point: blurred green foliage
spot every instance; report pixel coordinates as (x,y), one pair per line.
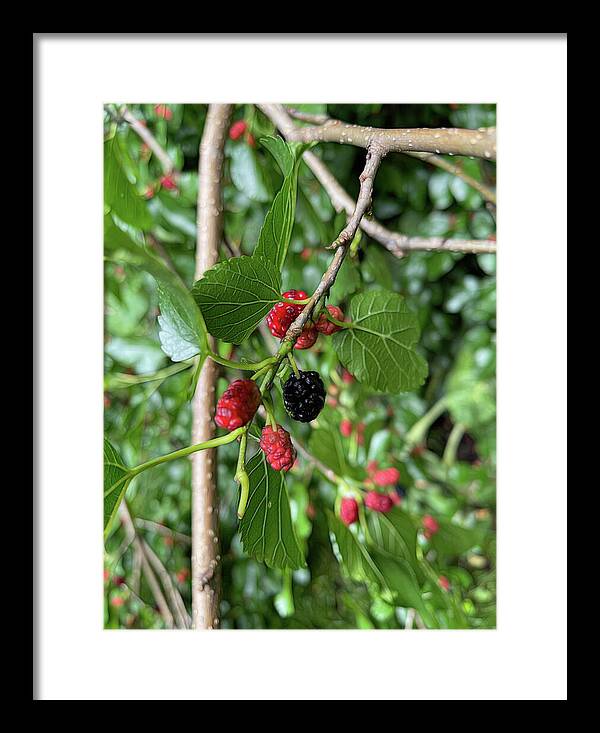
(442,439)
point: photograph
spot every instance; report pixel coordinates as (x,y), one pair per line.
(299,365)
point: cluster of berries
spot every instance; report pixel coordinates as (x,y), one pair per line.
(168,182)
(303,397)
(240,128)
(374,500)
(282,315)
(347,428)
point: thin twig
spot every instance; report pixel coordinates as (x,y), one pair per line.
(153,584)
(182,618)
(319,465)
(167,164)
(396,243)
(487,193)
(161,529)
(342,242)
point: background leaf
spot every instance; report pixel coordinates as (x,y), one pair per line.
(452,540)
(182,331)
(392,576)
(234,296)
(379,349)
(247,174)
(116,481)
(266,528)
(119,193)
(274,237)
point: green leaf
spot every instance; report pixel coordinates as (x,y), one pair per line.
(326,444)
(116,481)
(119,193)
(266,528)
(182,332)
(452,540)
(393,577)
(234,296)
(346,282)
(471,384)
(378,267)
(281,151)
(395,533)
(274,237)
(246,173)
(379,349)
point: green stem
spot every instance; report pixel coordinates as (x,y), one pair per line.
(247,366)
(213,443)
(294,366)
(241,475)
(270,413)
(341,324)
(452,443)
(419,430)
(261,372)
(295,302)
(115,380)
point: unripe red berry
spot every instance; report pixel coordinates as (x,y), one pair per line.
(182,575)
(372,467)
(386,477)
(395,497)
(162,110)
(149,192)
(306,253)
(430,523)
(347,377)
(117,601)
(237,404)
(349,510)
(237,129)
(277,447)
(444,583)
(430,526)
(307,338)
(346,428)
(324,326)
(168,181)
(378,502)
(282,315)
(250,140)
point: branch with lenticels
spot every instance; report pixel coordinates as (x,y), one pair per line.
(396,243)
(140,128)
(479,143)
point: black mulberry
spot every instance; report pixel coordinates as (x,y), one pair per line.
(304,396)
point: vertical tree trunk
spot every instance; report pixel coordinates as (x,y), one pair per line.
(205,522)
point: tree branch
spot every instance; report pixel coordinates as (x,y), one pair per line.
(457,171)
(141,129)
(153,584)
(205,586)
(479,143)
(181,615)
(162,530)
(342,242)
(396,243)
